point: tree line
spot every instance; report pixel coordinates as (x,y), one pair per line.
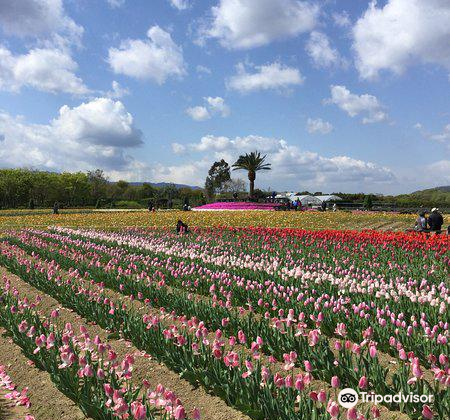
(23,188)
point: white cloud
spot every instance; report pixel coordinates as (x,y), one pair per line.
(116,3)
(213,106)
(203,69)
(180,4)
(402,33)
(291,166)
(443,137)
(192,173)
(318,126)
(45,69)
(218,105)
(342,19)
(93,134)
(439,172)
(321,52)
(354,105)
(270,76)
(178,148)
(37,18)
(240,24)
(156,58)
(198,113)
(117,91)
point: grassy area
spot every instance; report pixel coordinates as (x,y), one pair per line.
(304,220)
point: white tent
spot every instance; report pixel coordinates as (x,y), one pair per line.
(328,198)
(306,200)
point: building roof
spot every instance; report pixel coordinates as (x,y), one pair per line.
(328,197)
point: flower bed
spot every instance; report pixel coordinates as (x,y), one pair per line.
(237,206)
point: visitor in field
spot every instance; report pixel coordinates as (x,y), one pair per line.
(435,220)
(324,206)
(421,223)
(150,205)
(182,227)
(334,207)
(56,208)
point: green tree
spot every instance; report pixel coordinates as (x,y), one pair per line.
(218,175)
(368,202)
(252,163)
(99,184)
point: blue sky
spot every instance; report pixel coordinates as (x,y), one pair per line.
(341,95)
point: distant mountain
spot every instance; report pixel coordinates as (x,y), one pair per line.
(445,188)
(431,197)
(165,184)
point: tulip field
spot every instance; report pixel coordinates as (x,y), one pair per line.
(223,323)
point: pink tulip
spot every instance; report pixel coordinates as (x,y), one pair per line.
(322,396)
(333,409)
(138,410)
(352,414)
(179,413)
(195,415)
(335,382)
(363,382)
(426,412)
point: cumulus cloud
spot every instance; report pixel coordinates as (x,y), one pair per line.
(218,105)
(45,69)
(342,19)
(270,76)
(116,3)
(439,172)
(318,126)
(213,106)
(292,167)
(203,69)
(402,33)
(117,91)
(241,24)
(156,58)
(321,52)
(93,134)
(180,4)
(354,105)
(198,113)
(443,137)
(37,18)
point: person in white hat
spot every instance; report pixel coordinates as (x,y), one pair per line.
(435,220)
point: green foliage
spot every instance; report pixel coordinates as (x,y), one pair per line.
(127,204)
(368,202)
(23,188)
(218,175)
(252,163)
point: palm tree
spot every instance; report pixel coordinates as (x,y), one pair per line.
(252,163)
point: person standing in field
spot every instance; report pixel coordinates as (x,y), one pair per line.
(56,208)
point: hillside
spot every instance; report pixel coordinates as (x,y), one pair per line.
(439,196)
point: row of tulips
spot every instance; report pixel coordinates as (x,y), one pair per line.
(363,381)
(393,329)
(261,394)
(275,250)
(423,292)
(84,368)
